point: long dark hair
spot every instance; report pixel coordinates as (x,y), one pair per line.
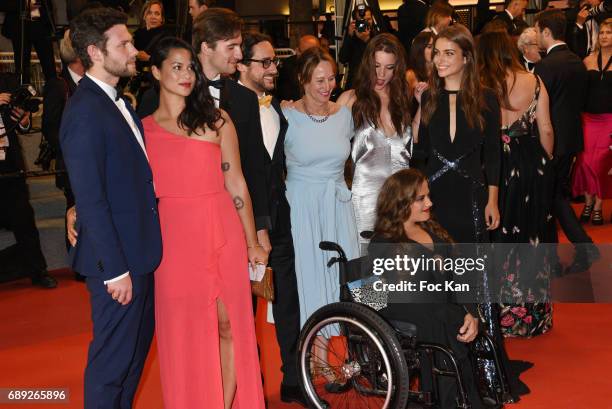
(367,104)
(396,196)
(416,61)
(200,110)
(470,92)
(497,55)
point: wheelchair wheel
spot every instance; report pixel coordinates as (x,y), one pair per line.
(349,357)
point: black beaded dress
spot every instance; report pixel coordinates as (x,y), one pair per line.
(459,173)
(461,170)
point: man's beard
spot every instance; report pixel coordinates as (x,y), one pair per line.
(262,85)
(118,70)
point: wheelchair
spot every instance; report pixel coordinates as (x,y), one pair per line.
(351,357)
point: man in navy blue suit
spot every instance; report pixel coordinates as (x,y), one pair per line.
(119,242)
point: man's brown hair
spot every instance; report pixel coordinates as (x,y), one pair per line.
(213,25)
(554,20)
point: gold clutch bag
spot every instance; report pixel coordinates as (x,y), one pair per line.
(265,287)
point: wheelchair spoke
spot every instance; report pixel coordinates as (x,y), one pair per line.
(324,347)
(348,368)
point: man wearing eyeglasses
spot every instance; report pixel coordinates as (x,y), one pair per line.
(528,46)
(258,70)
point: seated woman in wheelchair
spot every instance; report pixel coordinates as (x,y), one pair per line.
(404,226)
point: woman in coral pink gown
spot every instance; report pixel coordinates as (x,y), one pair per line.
(204,317)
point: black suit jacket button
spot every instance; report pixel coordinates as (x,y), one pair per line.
(149,180)
(154,210)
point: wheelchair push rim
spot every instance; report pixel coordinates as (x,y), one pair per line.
(361,356)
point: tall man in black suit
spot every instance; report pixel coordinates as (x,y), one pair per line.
(38,32)
(258,69)
(512,16)
(565,77)
(411,21)
(217,40)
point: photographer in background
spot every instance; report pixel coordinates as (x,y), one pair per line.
(582,34)
(360,30)
(16,214)
(56,94)
(38,32)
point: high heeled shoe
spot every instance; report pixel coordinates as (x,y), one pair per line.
(585,216)
(597,219)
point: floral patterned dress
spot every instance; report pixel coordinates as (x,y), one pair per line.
(525,204)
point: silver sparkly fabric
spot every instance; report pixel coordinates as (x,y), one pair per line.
(375,157)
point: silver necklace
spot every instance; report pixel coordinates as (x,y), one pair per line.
(316,120)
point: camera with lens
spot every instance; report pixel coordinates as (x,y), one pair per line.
(361,24)
(24,98)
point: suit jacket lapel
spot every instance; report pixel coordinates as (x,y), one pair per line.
(117,113)
(280,142)
(225,96)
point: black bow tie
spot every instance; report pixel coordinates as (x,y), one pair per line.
(530,65)
(216,83)
(119,95)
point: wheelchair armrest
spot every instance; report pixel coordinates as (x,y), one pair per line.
(331,246)
(367,234)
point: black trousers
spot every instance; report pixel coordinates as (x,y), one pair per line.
(286,306)
(16,214)
(561,203)
(37,35)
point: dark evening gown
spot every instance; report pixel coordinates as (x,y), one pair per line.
(459,173)
(525,205)
(458,185)
(436,315)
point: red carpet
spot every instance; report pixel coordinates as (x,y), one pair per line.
(44,337)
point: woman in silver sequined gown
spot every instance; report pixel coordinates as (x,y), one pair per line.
(382,142)
(376,156)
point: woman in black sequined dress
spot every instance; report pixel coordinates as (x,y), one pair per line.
(459,134)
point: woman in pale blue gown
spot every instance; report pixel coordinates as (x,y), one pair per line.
(382,142)
(317,145)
